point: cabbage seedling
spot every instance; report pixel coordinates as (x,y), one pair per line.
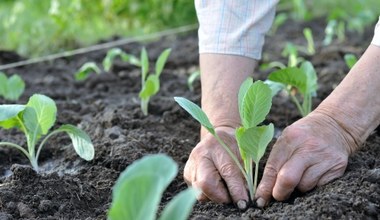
(310,41)
(350,60)
(138,191)
(11,88)
(117,52)
(85,70)
(150,82)
(302,80)
(255,100)
(194,76)
(35,119)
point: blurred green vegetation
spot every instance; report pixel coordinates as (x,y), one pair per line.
(39,27)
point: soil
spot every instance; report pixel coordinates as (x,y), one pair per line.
(107,107)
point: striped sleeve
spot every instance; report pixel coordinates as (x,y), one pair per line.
(376,37)
(235,27)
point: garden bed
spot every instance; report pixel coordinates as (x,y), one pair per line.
(106,106)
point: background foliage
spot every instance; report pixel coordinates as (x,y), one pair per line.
(35,28)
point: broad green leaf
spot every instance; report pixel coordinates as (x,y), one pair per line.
(180,206)
(81,141)
(276,87)
(45,110)
(3,84)
(197,113)
(8,115)
(311,76)
(350,60)
(34,130)
(256,104)
(242,92)
(15,87)
(110,57)
(138,190)
(144,63)
(86,70)
(160,63)
(151,87)
(291,76)
(254,140)
(137,198)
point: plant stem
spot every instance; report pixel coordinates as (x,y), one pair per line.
(144,106)
(295,100)
(32,159)
(235,159)
(256,174)
(43,142)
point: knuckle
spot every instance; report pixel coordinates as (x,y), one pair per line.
(228,170)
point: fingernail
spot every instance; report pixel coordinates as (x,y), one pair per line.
(242,204)
(260,202)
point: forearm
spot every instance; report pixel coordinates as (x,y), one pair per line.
(355,103)
(221,77)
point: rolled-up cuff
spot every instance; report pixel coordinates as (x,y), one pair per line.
(235,27)
(376,37)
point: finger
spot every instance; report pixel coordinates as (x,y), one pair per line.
(275,161)
(335,172)
(289,177)
(311,176)
(208,180)
(235,182)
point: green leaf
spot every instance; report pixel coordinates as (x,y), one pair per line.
(86,70)
(144,63)
(110,57)
(244,87)
(8,115)
(45,110)
(81,141)
(196,112)
(254,140)
(130,59)
(150,88)
(310,41)
(15,87)
(138,190)
(256,104)
(180,206)
(291,76)
(276,87)
(3,84)
(161,61)
(311,76)
(350,60)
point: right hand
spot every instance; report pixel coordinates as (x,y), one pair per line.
(211,170)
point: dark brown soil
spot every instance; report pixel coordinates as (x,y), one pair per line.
(107,107)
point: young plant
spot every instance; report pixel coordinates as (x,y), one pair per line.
(85,70)
(350,60)
(138,191)
(193,76)
(150,81)
(297,81)
(117,52)
(255,100)
(35,120)
(310,41)
(11,88)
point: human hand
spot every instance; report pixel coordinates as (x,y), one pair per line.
(311,152)
(211,169)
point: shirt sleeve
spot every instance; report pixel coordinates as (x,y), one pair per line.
(376,37)
(235,27)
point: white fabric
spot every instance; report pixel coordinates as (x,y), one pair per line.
(376,37)
(235,27)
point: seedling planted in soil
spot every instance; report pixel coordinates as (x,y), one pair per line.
(255,100)
(11,88)
(86,69)
(35,119)
(297,81)
(138,191)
